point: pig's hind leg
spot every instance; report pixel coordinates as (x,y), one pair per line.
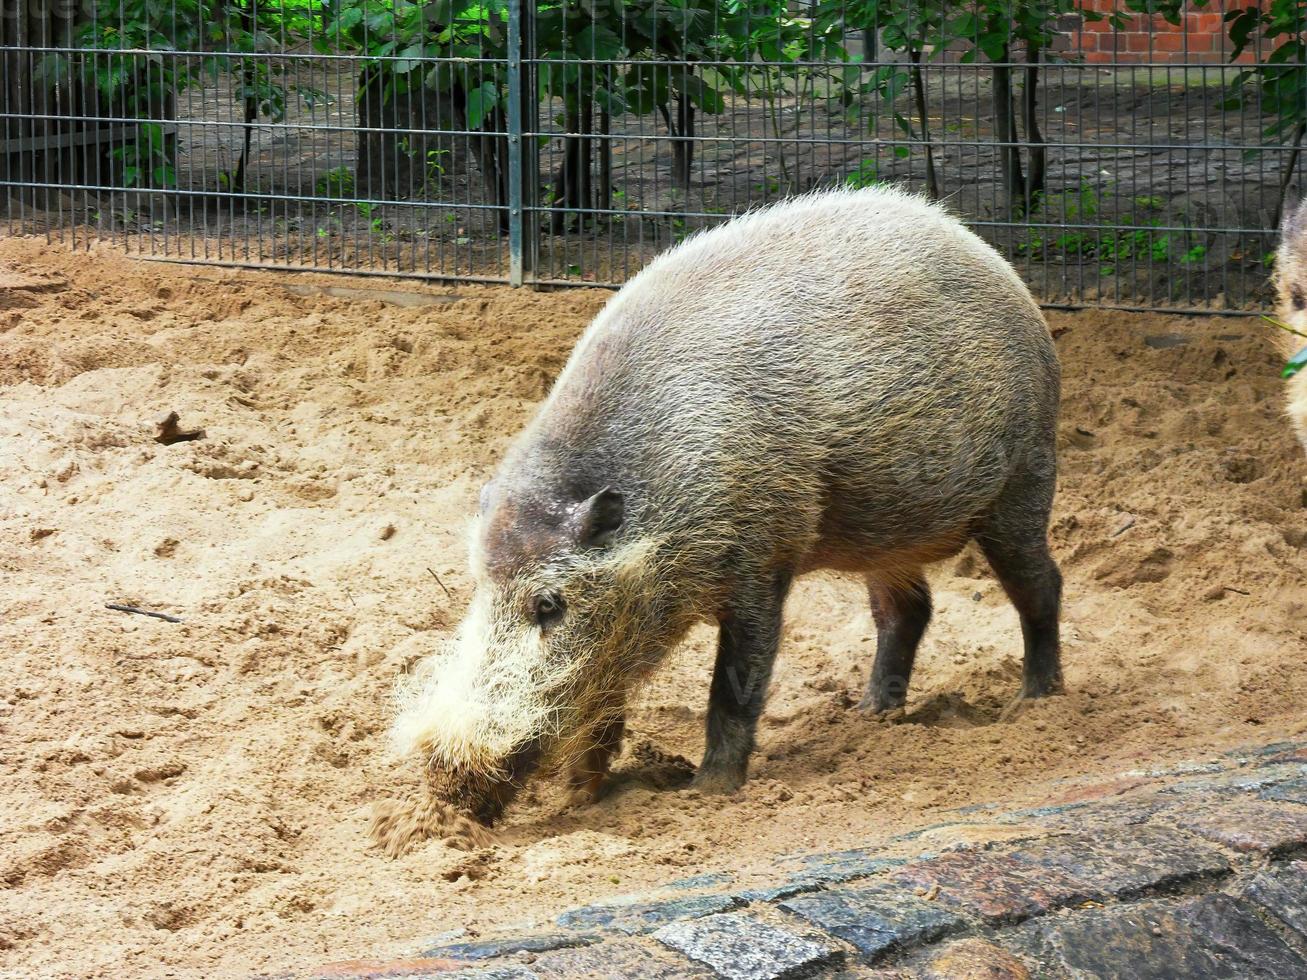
(746,651)
(1014,538)
(901,608)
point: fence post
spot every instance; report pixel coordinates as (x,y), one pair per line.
(530,119)
(517,261)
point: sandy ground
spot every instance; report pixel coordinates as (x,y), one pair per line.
(192,799)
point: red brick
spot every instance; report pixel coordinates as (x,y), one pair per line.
(974,958)
(998,887)
(1137,42)
(1098,791)
(1168,42)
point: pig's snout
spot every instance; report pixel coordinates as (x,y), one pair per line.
(486,792)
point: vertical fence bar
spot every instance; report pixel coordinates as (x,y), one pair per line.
(530,120)
(516,262)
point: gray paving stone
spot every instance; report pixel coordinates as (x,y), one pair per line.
(1208,938)
(740,947)
(490,948)
(1232,929)
(819,870)
(1084,817)
(619,959)
(712,879)
(509,972)
(876,920)
(1290,791)
(644,917)
(1122,941)
(1240,781)
(1128,861)
(1182,769)
(1260,751)
(1283,893)
(1248,825)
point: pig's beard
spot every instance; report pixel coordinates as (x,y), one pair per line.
(472,707)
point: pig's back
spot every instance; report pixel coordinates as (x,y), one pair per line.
(857,348)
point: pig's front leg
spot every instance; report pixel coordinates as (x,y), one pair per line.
(586,776)
(746,650)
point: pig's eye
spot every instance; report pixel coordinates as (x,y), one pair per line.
(1298,301)
(548,610)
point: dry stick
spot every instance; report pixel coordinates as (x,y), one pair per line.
(141,612)
(440,583)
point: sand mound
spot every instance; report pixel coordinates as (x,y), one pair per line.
(194,798)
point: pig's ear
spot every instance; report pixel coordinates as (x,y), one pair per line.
(486,493)
(598,518)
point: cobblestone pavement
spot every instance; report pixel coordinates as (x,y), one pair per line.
(1194,871)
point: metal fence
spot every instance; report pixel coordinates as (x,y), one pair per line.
(1128,153)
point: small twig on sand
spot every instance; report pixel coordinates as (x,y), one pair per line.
(1231,588)
(141,612)
(440,583)
(350,597)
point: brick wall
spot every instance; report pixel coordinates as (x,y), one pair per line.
(1199,38)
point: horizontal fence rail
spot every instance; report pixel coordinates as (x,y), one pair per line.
(1121,153)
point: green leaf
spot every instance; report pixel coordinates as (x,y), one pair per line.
(481,102)
(995,46)
(409,58)
(701,94)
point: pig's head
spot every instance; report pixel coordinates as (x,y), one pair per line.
(563,622)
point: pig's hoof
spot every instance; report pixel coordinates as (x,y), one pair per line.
(584,792)
(884,709)
(1032,690)
(1022,700)
(712,782)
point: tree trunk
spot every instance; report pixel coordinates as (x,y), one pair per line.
(251,113)
(585,152)
(490,149)
(919,91)
(681,129)
(1034,182)
(371,143)
(605,199)
(571,184)
(1014,184)
(683,148)
(248,78)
